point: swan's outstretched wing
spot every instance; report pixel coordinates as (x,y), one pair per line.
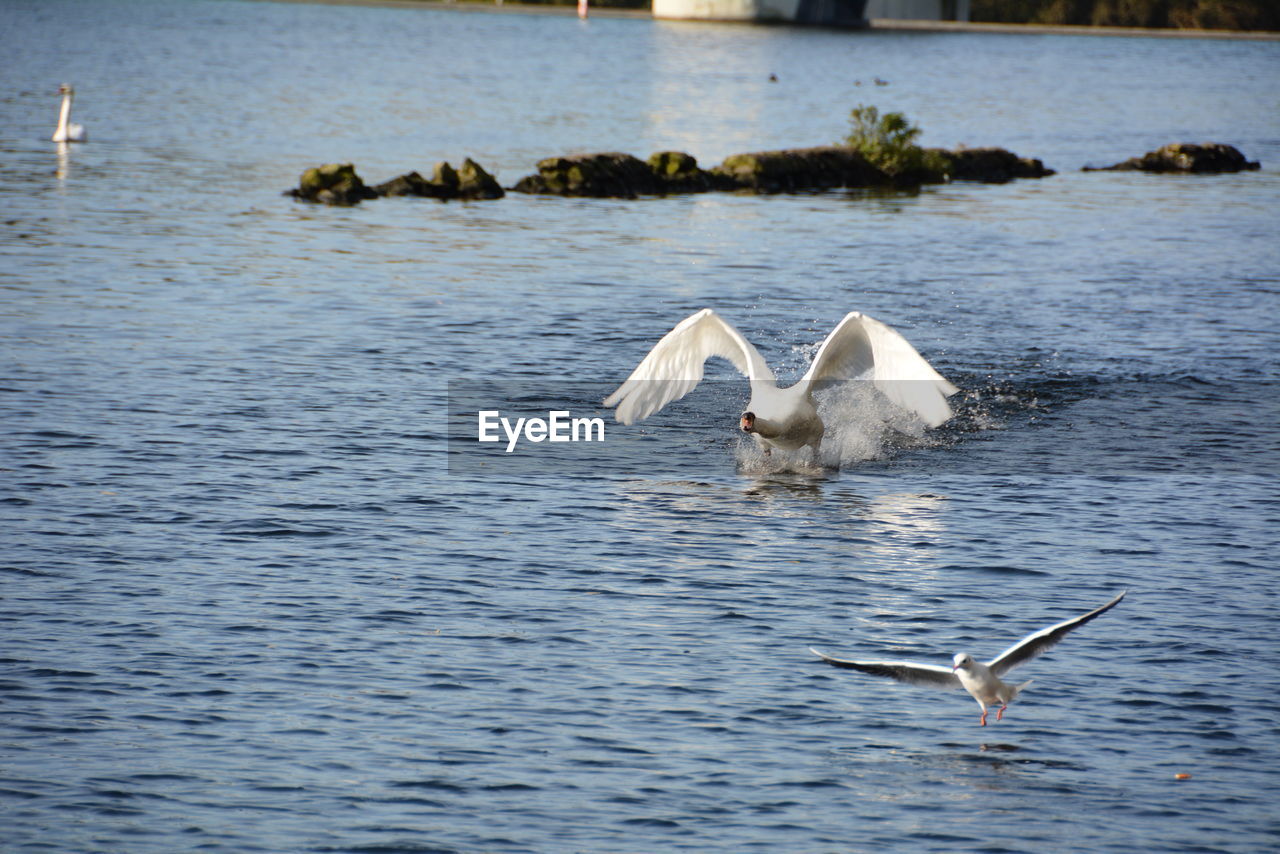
(863,345)
(674,365)
(1032,645)
(931,675)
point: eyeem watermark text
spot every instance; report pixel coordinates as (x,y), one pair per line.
(558,426)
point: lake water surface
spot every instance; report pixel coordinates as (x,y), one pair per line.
(255,599)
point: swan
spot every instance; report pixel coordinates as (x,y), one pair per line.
(784,418)
(982,681)
(66,131)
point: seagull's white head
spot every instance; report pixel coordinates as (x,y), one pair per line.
(962,661)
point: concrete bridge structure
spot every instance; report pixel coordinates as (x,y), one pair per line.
(838,13)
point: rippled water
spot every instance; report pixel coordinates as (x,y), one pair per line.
(254,600)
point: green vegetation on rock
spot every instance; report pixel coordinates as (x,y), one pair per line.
(888,143)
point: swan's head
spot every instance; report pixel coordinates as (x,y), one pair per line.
(65,89)
(748,422)
(962,661)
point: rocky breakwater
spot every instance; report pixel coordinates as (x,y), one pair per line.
(338,184)
(1208,157)
(794,170)
(837,166)
(617,175)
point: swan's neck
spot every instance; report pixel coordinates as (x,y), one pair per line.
(64,117)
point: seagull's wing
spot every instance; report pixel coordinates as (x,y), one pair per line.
(904,671)
(1032,645)
(863,345)
(674,365)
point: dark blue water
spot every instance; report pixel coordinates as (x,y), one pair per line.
(254,600)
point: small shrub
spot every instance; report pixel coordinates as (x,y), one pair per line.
(888,143)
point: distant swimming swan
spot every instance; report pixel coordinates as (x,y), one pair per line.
(66,131)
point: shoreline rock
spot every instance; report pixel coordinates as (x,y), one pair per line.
(338,184)
(792,170)
(475,184)
(677,172)
(1185,157)
(332,184)
(469,182)
(992,165)
(606,175)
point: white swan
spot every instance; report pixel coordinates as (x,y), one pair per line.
(982,681)
(785,418)
(66,131)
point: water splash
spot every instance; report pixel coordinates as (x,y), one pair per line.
(861,425)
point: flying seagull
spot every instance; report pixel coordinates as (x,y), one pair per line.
(785,418)
(982,681)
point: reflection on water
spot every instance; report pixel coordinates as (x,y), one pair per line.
(893,532)
(700,85)
(806,485)
(64,160)
(917,515)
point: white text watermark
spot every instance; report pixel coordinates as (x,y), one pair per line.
(558,426)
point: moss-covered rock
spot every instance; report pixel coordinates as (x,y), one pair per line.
(678,172)
(611,174)
(473,182)
(469,182)
(842,166)
(990,165)
(408,184)
(1185,157)
(618,175)
(445,179)
(673,165)
(799,170)
(332,184)
(792,170)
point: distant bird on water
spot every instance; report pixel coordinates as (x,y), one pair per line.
(982,681)
(785,418)
(66,130)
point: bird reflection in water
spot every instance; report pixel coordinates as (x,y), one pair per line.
(64,162)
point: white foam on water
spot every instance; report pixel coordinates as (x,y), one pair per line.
(861,424)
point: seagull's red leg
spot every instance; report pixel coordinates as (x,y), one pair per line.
(1000,714)
(983,720)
